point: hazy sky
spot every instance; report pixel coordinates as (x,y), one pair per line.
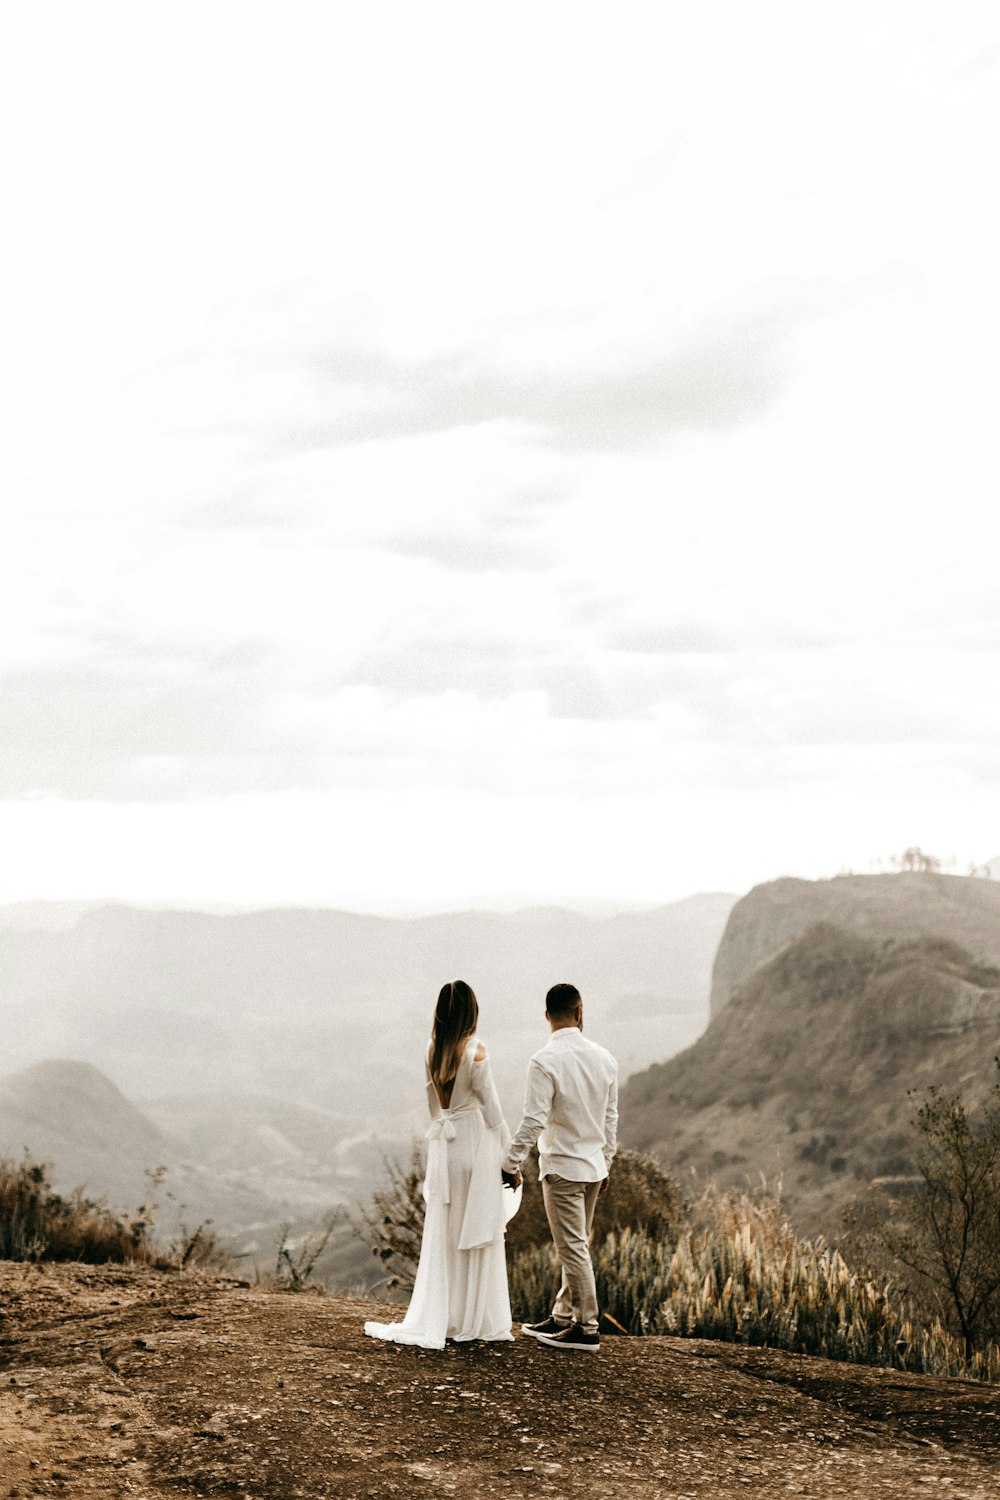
(455,451)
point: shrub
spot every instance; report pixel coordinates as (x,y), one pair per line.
(38,1224)
(940,1231)
(393,1223)
(642,1195)
(296,1259)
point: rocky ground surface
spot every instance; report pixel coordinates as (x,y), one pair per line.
(159,1386)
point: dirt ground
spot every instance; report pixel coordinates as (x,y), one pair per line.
(160,1386)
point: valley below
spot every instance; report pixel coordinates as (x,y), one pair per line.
(271,1062)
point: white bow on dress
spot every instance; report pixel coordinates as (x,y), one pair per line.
(439,1133)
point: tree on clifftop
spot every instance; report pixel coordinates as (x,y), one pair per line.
(915,861)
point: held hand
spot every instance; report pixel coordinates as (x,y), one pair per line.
(511,1179)
(604,1187)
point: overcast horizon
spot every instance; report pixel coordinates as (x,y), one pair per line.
(454,455)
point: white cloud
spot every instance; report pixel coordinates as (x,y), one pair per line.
(376,444)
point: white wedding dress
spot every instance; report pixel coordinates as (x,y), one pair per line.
(460,1291)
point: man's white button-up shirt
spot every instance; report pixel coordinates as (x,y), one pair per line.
(570,1109)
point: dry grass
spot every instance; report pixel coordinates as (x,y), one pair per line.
(38,1224)
(740,1273)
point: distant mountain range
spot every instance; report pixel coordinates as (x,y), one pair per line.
(821,1027)
(330,1010)
(271,1059)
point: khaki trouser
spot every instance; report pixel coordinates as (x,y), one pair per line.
(569,1207)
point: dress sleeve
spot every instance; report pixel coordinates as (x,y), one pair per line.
(485,1091)
(488,1205)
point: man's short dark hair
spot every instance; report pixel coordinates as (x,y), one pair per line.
(562,999)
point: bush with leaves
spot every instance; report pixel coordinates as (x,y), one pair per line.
(939,1233)
(642,1195)
(393,1223)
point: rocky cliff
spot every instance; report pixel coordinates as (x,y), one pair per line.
(804,1075)
(964,910)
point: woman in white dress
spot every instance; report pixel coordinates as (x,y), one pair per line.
(460,1291)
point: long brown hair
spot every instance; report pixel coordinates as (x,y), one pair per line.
(455,1017)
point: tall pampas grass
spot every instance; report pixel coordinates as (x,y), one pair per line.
(740,1273)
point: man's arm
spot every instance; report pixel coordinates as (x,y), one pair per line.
(611,1123)
(537,1103)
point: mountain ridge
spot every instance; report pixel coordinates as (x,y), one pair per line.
(805,1075)
(899,905)
(299,1001)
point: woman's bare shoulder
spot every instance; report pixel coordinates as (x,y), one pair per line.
(480,1052)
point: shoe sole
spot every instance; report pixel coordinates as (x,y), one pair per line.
(532,1333)
(554,1343)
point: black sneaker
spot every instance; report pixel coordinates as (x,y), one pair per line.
(575,1337)
(539,1330)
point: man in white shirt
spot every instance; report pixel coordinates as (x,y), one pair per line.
(571,1110)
